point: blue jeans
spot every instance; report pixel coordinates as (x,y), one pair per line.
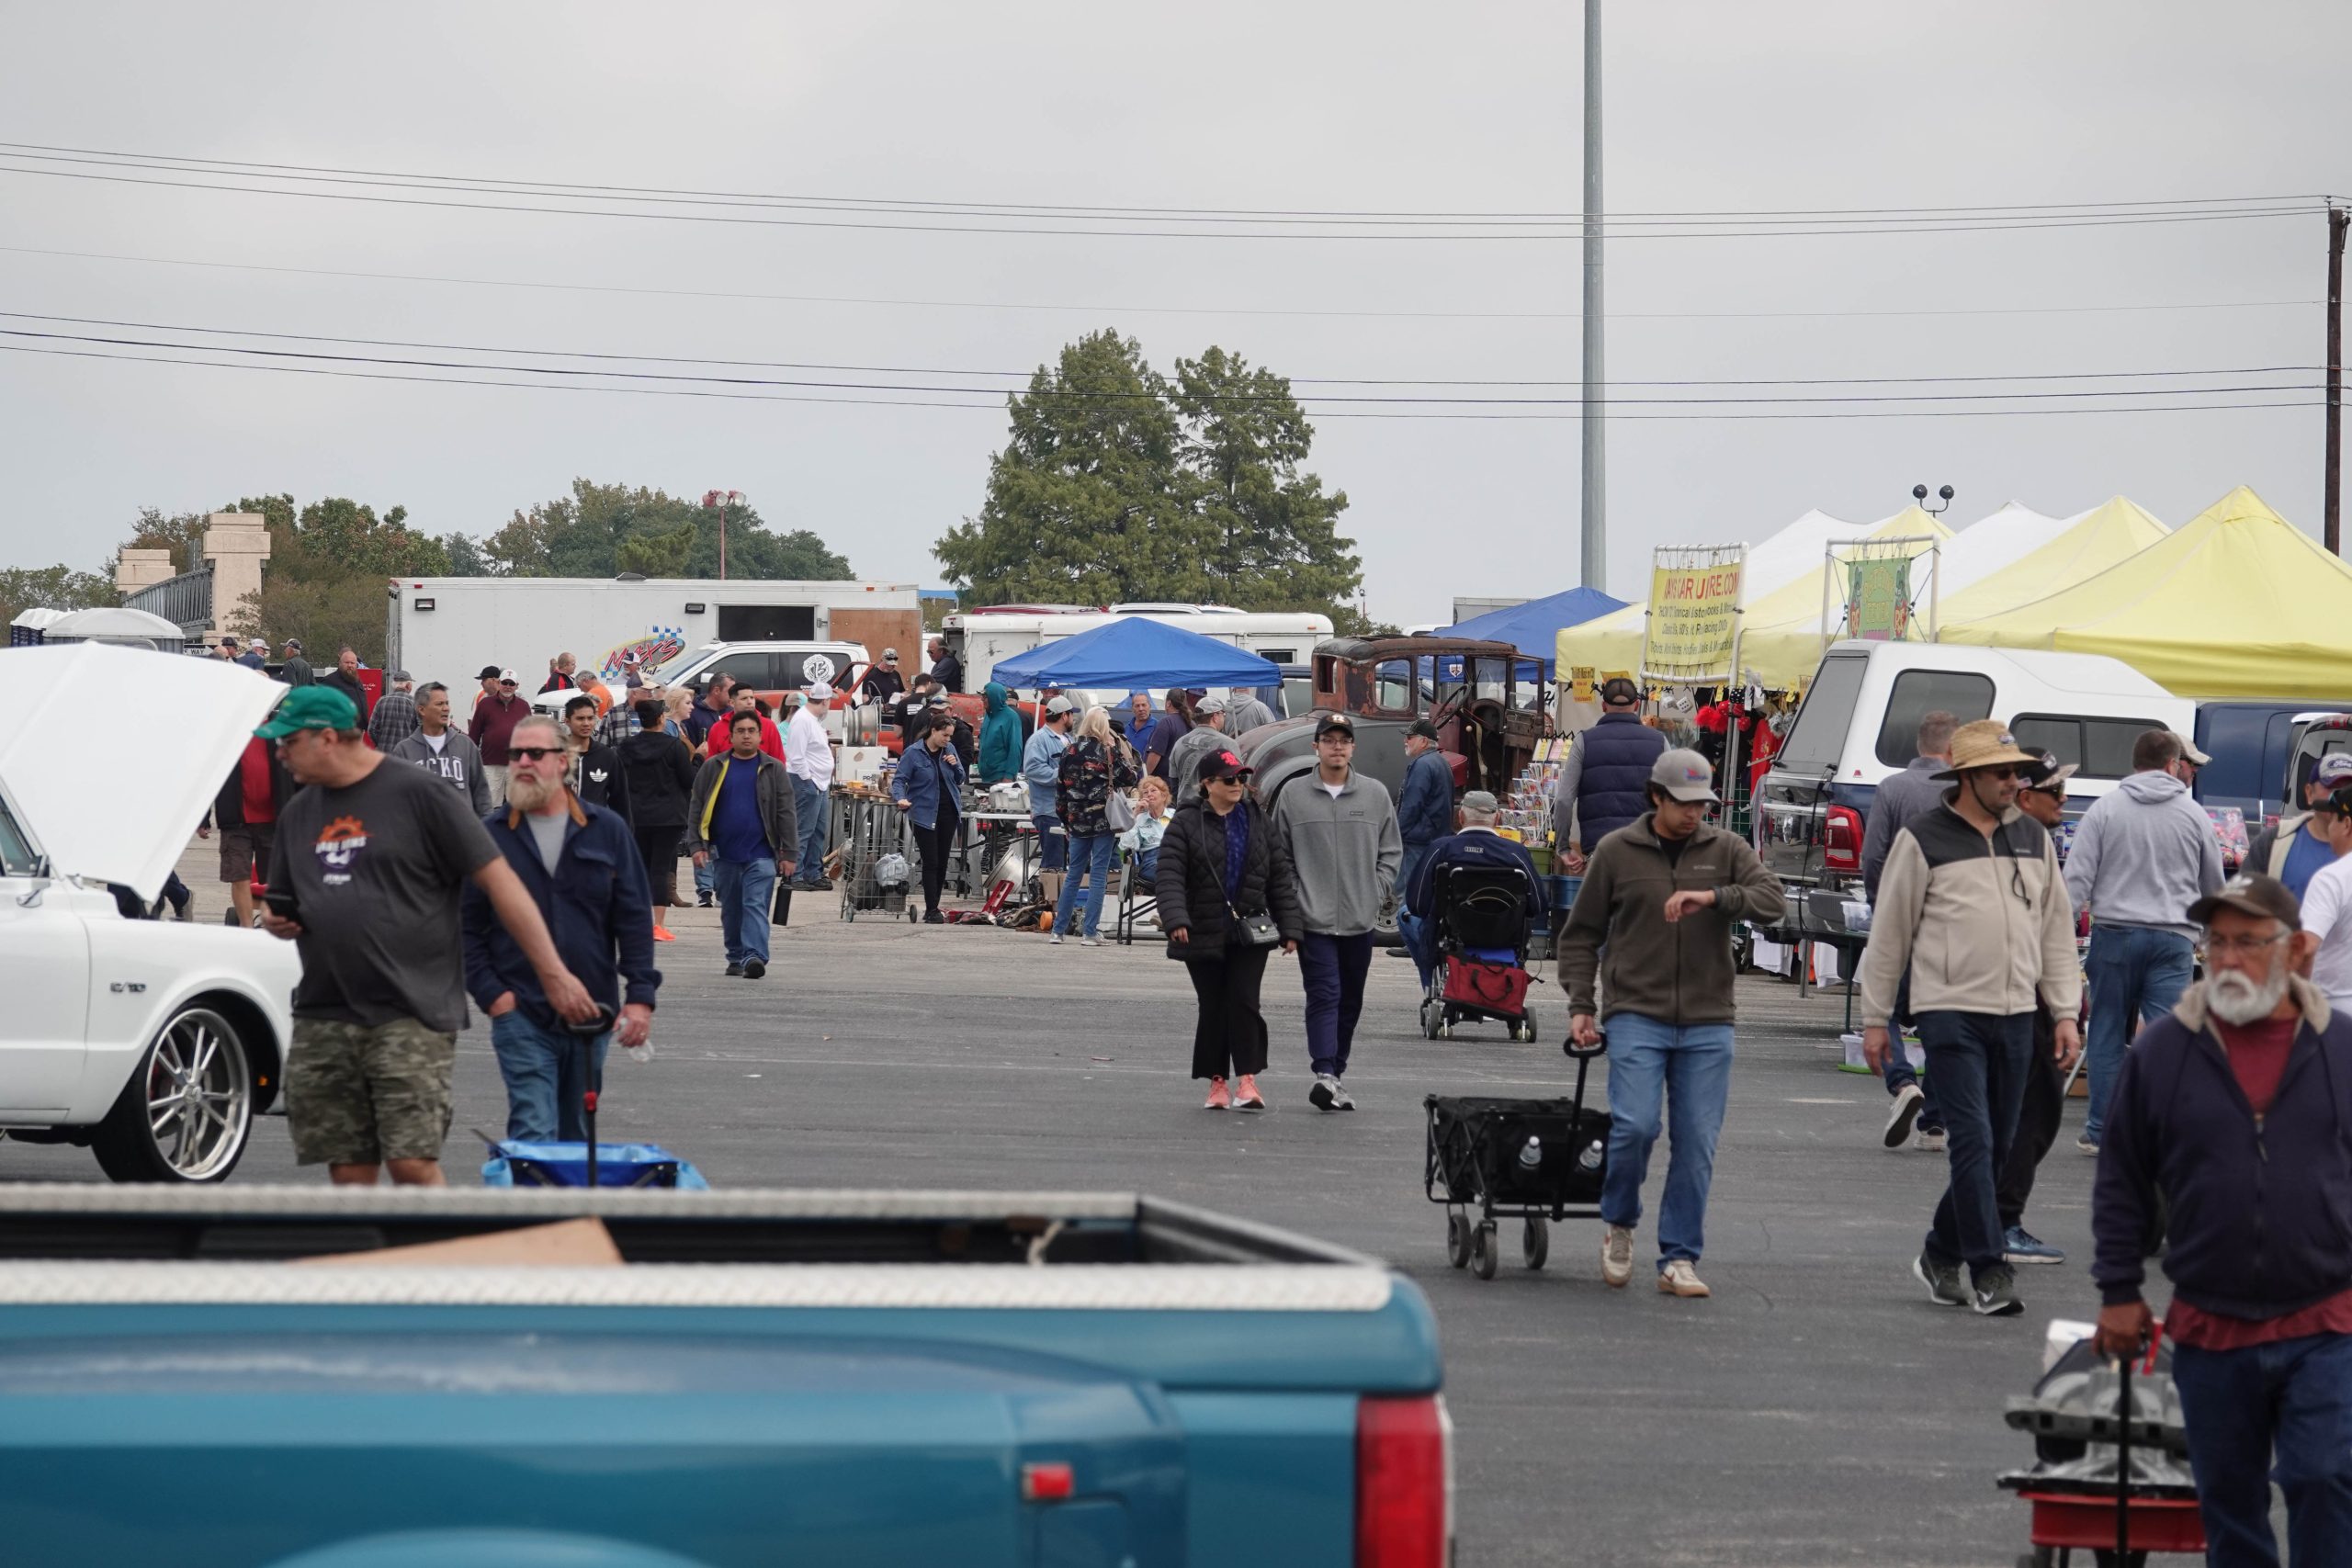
(1421,940)
(2294,1397)
(1053,846)
(1414,856)
(1333,968)
(545,1078)
(1688,1067)
(810,802)
(704,873)
(746,891)
(2133,970)
(1090,855)
(1979,1062)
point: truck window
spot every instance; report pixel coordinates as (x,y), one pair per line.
(1817,740)
(1918,692)
(16,858)
(1392,685)
(755,670)
(1492,679)
(2106,745)
(2061,737)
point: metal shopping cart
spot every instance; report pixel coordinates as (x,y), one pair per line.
(877,856)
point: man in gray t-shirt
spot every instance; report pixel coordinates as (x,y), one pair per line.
(375,859)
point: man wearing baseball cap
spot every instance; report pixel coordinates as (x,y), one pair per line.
(1973,906)
(375,859)
(1475,844)
(1339,829)
(1206,738)
(1425,800)
(2327,903)
(1041,768)
(2230,1134)
(1603,781)
(2295,848)
(2143,854)
(495,718)
(292,668)
(1653,922)
(2041,794)
(808,760)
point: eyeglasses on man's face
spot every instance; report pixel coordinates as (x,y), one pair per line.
(2239,946)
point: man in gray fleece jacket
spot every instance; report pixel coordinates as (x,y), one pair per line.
(2142,856)
(1341,830)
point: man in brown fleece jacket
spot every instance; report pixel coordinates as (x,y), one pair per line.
(1660,898)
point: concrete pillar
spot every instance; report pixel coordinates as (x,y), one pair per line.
(142,569)
(236,546)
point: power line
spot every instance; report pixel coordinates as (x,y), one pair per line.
(1315,406)
(759,397)
(559,286)
(1294,380)
(516,184)
(1564,233)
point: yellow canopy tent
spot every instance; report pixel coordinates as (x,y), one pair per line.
(2235,603)
(2078,548)
(1782,640)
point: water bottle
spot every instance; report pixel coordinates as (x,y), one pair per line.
(1531,1155)
(640,1055)
(1591,1158)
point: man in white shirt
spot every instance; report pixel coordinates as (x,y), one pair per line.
(809,758)
(2327,902)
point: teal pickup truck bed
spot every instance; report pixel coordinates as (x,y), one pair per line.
(773,1378)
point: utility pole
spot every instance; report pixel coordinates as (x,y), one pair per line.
(1595,555)
(2331,532)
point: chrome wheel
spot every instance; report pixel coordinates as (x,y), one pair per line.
(186,1113)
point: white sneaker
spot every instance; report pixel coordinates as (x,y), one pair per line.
(1908,1102)
(1054,939)
(1617,1256)
(1090,941)
(1933,1140)
(1678,1279)
(1324,1092)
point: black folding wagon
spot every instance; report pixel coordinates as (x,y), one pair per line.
(1536,1161)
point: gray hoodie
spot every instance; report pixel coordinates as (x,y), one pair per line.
(2142,855)
(1344,851)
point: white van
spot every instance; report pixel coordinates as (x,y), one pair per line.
(1860,721)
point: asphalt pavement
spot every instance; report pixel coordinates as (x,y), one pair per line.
(1818,1409)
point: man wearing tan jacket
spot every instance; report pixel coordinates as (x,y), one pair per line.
(1972,904)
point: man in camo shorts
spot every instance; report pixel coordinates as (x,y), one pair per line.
(376,859)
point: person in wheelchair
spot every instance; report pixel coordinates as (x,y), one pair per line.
(1476,844)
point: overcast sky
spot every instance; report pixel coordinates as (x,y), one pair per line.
(1358,106)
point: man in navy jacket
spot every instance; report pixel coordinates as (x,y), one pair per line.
(1425,803)
(1476,844)
(581,866)
(1604,785)
(2236,1110)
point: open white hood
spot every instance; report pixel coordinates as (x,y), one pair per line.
(109,756)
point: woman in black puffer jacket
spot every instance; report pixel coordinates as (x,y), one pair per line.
(1219,861)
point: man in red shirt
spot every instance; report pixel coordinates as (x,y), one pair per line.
(245,810)
(2236,1107)
(495,718)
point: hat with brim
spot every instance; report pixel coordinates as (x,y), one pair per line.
(1987,743)
(1686,776)
(310,707)
(1224,765)
(2050,775)
(2261,898)
(2189,751)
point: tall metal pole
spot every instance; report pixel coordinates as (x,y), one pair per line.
(2332,533)
(1595,555)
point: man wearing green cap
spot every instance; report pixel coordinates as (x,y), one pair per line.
(375,860)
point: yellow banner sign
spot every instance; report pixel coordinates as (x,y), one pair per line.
(1692,618)
(1581,682)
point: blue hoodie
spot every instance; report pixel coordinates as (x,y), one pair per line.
(999,736)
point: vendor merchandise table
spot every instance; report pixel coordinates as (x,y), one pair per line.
(987,834)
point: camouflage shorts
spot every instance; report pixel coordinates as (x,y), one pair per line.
(361,1095)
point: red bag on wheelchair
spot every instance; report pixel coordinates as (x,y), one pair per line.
(1490,987)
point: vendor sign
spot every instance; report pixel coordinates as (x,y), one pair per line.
(1878,599)
(1693,610)
(1581,682)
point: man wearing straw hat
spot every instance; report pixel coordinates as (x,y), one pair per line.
(1973,906)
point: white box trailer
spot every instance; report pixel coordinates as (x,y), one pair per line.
(447,628)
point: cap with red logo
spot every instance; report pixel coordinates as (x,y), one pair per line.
(1685,777)
(1224,765)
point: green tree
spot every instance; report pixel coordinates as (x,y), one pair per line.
(59,587)
(1117,486)
(583,534)
(1086,500)
(181,532)
(1274,542)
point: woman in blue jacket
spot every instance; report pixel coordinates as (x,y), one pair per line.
(930,789)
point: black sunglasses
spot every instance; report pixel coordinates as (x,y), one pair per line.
(533,754)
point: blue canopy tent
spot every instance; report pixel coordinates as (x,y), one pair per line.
(1135,652)
(1533,627)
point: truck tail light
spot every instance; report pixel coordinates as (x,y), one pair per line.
(1841,840)
(1404,1484)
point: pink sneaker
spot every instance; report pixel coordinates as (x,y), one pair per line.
(1218,1098)
(1245,1093)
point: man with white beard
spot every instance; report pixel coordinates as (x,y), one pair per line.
(2232,1120)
